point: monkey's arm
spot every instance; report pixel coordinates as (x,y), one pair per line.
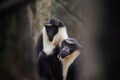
(39,45)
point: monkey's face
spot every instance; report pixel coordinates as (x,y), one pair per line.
(64,51)
(67,47)
(52,27)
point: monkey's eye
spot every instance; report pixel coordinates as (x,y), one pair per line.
(66,49)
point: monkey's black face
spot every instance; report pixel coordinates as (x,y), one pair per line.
(67,47)
(51,31)
(52,27)
(64,51)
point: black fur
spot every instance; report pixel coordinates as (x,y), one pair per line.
(50,68)
(72,72)
(39,45)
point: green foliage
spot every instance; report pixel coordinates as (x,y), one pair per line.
(54,8)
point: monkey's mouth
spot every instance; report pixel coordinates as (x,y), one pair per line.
(63,54)
(50,37)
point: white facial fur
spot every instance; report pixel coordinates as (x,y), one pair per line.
(60,36)
(47,45)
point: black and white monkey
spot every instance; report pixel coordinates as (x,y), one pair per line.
(70,49)
(53,33)
(56,66)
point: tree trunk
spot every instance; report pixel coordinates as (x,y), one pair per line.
(17,60)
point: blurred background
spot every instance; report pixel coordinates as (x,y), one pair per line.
(94,23)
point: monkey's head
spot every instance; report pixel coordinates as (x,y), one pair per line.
(52,26)
(69,46)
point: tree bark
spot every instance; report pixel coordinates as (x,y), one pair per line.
(17,60)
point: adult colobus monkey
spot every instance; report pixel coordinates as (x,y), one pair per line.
(53,32)
(56,65)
